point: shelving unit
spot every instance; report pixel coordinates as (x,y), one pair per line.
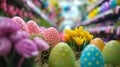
(96,5)
(103,29)
(102,17)
(99,23)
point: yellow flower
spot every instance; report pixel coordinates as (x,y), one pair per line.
(79,41)
(77,31)
(84,38)
(72,33)
(80,28)
(67,37)
(66,31)
(90,37)
(84,34)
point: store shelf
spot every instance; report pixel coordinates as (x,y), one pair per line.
(93,20)
(110,14)
(39,12)
(99,3)
(109,32)
(99,29)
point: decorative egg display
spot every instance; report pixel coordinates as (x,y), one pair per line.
(62,56)
(91,57)
(111,53)
(98,43)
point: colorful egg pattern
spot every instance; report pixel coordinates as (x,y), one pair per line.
(98,43)
(91,57)
(62,56)
(111,53)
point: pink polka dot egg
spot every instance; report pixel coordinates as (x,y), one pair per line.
(91,57)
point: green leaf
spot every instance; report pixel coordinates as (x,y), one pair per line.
(2,62)
(29,63)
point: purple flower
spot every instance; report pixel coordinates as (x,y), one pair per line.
(107,30)
(42,29)
(7,26)
(5,46)
(19,35)
(41,44)
(118,31)
(27,48)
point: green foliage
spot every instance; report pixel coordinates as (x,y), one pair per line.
(44,23)
(2,13)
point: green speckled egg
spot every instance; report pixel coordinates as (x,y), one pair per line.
(111,53)
(62,56)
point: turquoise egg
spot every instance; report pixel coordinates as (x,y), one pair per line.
(91,57)
(113,3)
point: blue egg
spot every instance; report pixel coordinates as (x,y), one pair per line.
(113,3)
(91,57)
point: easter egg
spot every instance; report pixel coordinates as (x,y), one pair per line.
(111,52)
(118,41)
(91,57)
(98,43)
(103,8)
(113,3)
(61,56)
(118,2)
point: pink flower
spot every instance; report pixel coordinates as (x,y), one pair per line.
(30,15)
(62,36)
(27,48)
(37,3)
(25,14)
(10,9)
(5,46)
(118,31)
(20,13)
(108,29)
(42,29)
(4,6)
(7,27)
(41,44)
(19,35)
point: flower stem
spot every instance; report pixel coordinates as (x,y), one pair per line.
(13,54)
(7,61)
(21,61)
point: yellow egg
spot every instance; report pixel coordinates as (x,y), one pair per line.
(118,41)
(98,42)
(118,1)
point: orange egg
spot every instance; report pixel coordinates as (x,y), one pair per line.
(118,41)
(98,42)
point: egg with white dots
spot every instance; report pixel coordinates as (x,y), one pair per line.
(91,57)
(61,56)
